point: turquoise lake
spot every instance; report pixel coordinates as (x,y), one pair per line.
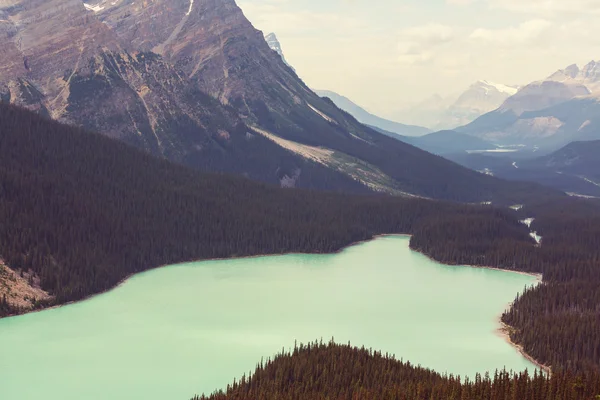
(182,330)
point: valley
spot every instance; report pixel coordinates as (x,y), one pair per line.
(181,214)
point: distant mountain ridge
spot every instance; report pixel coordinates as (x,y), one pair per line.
(440,113)
(574,169)
(367,118)
(548,113)
(352,108)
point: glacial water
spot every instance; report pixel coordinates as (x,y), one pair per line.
(182,330)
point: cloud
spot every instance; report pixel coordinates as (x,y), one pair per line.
(460,2)
(547,7)
(526,33)
(416,45)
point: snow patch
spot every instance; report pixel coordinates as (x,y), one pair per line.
(191,7)
(516,207)
(514,164)
(583,196)
(486,171)
(590,181)
(584,125)
(533,234)
(94,7)
(527,222)
(501,88)
(536,237)
(323,115)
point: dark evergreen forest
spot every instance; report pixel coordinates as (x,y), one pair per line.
(84,212)
(328,371)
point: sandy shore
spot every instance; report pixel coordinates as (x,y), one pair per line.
(504,332)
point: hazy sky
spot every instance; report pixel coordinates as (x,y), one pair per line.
(384,54)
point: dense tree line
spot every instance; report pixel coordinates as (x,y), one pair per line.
(558,323)
(83,212)
(318,371)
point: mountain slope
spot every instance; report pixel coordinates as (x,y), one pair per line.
(367,118)
(82,211)
(448,142)
(194,82)
(481,97)
(574,169)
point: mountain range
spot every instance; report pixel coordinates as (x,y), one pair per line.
(367,118)
(352,108)
(443,113)
(574,169)
(547,114)
(196,83)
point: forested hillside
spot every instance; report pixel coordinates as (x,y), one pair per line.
(558,322)
(318,372)
(83,212)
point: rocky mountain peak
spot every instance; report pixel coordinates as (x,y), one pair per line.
(591,72)
(275,45)
(572,70)
(589,76)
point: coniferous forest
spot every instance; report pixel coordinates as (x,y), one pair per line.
(84,212)
(320,371)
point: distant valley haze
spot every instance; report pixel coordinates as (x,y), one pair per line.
(388,55)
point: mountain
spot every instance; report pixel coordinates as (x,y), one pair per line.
(578,160)
(274,44)
(574,169)
(440,113)
(81,212)
(481,97)
(547,114)
(445,143)
(367,118)
(450,142)
(428,113)
(589,76)
(194,82)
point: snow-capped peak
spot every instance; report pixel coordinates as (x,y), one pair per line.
(589,75)
(274,44)
(510,90)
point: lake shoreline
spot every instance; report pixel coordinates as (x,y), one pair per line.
(503,329)
(504,333)
(128,277)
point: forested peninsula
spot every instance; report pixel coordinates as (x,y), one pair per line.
(319,371)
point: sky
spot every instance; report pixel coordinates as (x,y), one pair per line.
(388,54)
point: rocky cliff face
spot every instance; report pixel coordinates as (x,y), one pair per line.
(195,82)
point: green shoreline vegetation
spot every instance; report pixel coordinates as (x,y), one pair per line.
(83,212)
